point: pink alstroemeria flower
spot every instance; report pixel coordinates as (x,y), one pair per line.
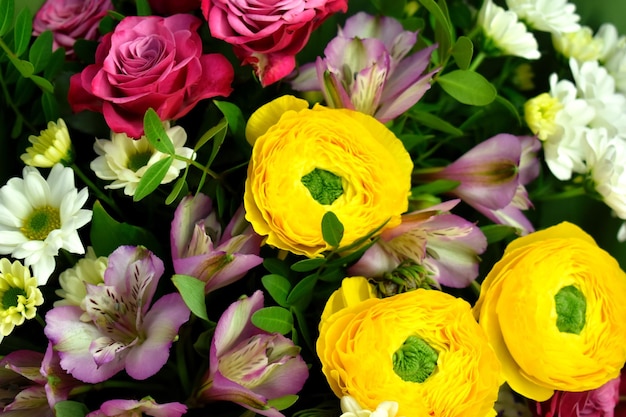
(133,408)
(200,249)
(122,329)
(249,366)
(31,383)
(492,176)
(366,68)
(446,245)
(599,402)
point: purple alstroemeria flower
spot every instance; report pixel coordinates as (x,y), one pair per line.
(200,249)
(492,176)
(133,408)
(249,366)
(122,328)
(367,67)
(31,383)
(446,245)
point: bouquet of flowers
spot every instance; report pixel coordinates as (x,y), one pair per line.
(311,208)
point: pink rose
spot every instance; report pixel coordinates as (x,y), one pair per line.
(149,62)
(268,34)
(69,20)
(599,402)
(169,7)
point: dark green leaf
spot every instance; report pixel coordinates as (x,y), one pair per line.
(191,289)
(25,68)
(276,266)
(156,134)
(180,184)
(55,64)
(444,32)
(435,187)
(107,234)
(278,287)
(303,326)
(45,85)
(107,24)
(393,8)
(218,129)
(307,265)
(497,232)
(282,402)
(434,122)
(510,107)
(50,106)
(234,117)
(332,229)
(22,31)
(468,87)
(301,294)
(7,12)
(41,51)
(152,178)
(273,319)
(462,51)
(143,8)
(70,409)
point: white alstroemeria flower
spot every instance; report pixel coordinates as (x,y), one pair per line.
(351,408)
(580,45)
(38,217)
(547,15)
(505,34)
(124,160)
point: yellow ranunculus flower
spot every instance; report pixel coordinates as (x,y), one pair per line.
(422,349)
(306,162)
(554,309)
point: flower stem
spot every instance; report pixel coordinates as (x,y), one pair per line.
(99,194)
(198,165)
(477,61)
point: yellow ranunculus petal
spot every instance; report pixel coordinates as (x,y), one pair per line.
(353,290)
(269,114)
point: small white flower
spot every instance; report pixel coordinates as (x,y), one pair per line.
(38,217)
(503,31)
(614,59)
(124,160)
(88,270)
(53,145)
(580,45)
(547,15)
(351,408)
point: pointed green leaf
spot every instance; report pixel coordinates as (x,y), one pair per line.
(7,13)
(332,229)
(70,409)
(434,122)
(276,266)
(55,64)
(278,287)
(273,319)
(497,232)
(462,51)
(50,106)
(307,265)
(191,289)
(444,32)
(22,31)
(42,83)
(435,187)
(25,68)
(180,184)
(468,87)
(234,117)
(156,134)
(218,129)
(282,402)
(41,51)
(152,178)
(301,294)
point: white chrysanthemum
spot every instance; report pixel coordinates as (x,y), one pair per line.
(615,62)
(19,296)
(40,216)
(580,45)
(503,32)
(88,270)
(605,158)
(547,15)
(608,36)
(53,145)
(351,408)
(124,160)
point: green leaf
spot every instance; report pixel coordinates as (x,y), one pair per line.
(276,266)
(497,232)
(70,409)
(393,8)
(191,289)
(7,13)
(510,107)
(273,319)
(107,234)
(434,122)
(332,229)
(152,178)
(468,87)
(278,287)
(45,85)
(143,8)
(156,134)
(435,187)
(301,294)
(234,117)
(22,31)
(178,187)
(50,106)
(444,32)
(41,51)
(307,265)
(282,402)
(462,52)
(25,68)
(219,129)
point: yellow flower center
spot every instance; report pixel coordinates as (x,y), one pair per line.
(324,186)
(41,222)
(415,361)
(540,114)
(138,160)
(10,298)
(570,309)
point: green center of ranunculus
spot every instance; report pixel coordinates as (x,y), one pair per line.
(41,222)
(571,307)
(138,160)
(10,297)
(415,361)
(324,186)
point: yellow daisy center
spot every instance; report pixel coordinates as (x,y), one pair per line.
(41,222)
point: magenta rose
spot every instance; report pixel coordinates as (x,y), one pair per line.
(149,62)
(69,20)
(168,7)
(268,34)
